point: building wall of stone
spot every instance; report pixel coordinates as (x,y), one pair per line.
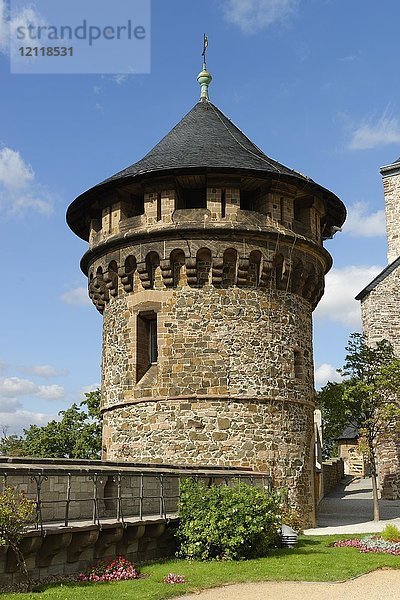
(271,435)
(333,473)
(380,311)
(225,389)
(391,187)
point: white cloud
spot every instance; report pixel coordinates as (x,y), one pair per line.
(43,371)
(18,189)
(50,392)
(374,134)
(90,388)
(360,223)
(9,405)
(9,23)
(11,387)
(325,373)
(252,16)
(14,386)
(76,297)
(14,172)
(14,422)
(342,285)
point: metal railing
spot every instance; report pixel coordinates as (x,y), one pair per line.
(68,493)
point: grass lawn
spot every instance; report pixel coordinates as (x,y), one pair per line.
(312,560)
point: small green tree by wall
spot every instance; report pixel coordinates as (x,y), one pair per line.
(77,434)
(368,398)
(16,511)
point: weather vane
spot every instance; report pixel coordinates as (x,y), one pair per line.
(205,46)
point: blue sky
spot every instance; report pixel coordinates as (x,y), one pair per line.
(314,83)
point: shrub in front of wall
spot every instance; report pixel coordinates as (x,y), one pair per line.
(16,511)
(226,523)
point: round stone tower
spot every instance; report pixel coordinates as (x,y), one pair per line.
(206,260)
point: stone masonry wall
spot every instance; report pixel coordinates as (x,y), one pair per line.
(391,186)
(226,389)
(380,311)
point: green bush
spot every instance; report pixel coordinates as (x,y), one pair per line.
(226,523)
(290,516)
(16,511)
(391,533)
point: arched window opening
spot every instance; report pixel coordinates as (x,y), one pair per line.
(278,264)
(297,278)
(229,268)
(203,266)
(130,265)
(152,262)
(253,277)
(128,273)
(177,262)
(113,267)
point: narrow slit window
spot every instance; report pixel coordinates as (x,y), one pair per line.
(147,343)
(298,365)
(223,204)
(152,334)
(159,206)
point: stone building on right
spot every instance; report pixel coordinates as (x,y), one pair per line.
(380,309)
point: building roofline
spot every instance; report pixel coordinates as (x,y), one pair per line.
(392,167)
(378,279)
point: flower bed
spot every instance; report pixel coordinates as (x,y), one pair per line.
(119,569)
(371,543)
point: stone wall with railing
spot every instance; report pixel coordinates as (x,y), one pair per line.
(87,510)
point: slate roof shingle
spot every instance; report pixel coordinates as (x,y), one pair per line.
(204,139)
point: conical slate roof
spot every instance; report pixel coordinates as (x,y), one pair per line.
(204,139)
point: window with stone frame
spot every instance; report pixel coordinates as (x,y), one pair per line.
(146,343)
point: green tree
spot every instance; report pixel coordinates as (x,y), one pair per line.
(15,512)
(77,434)
(332,405)
(368,397)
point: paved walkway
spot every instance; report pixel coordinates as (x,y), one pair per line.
(348,509)
(379,585)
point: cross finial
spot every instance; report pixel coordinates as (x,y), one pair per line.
(205,46)
(204,78)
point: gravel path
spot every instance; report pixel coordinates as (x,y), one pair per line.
(379,585)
